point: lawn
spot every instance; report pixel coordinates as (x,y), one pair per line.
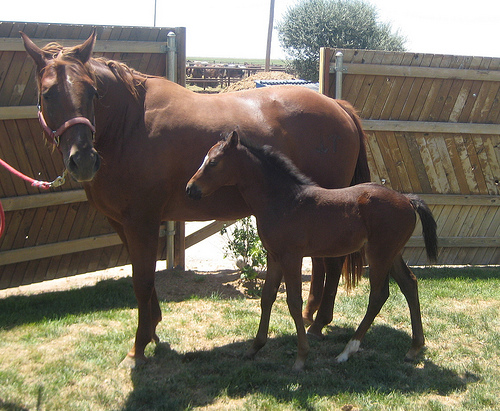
(62,350)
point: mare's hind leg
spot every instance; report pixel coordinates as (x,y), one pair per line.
(379,292)
(269,291)
(333,267)
(408,284)
(316,291)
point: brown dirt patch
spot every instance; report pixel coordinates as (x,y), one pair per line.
(249,82)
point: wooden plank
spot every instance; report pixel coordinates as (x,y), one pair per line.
(206,232)
(425,72)
(43,200)
(430,127)
(18,112)
(101,46)
(57,249)
(453,242)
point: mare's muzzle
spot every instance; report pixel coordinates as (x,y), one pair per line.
(83,163)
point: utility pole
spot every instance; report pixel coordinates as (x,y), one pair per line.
(269,37)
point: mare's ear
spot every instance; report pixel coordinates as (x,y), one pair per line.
(233,139)
(83,52)
(35,52)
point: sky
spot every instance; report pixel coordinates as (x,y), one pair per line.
(238,29)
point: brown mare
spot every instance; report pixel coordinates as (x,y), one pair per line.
(152,134)
(297,218)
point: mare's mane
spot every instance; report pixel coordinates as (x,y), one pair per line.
(131,78)
(276,165)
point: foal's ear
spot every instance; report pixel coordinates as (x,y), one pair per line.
(233,140)
(84,51)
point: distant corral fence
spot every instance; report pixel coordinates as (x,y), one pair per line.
(433,127)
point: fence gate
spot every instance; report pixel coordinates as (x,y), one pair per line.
(433,128)
(58,234)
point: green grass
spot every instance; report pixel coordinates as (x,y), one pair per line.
(61,351)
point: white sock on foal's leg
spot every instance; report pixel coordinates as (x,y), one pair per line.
(351,347)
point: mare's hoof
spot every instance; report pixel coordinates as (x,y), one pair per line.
(298,366)
(250,354)
(411,356)
(312,332)
(132,362)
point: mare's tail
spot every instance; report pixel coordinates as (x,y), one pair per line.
(353,265)
(428,226)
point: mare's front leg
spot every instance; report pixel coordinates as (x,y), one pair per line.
(142,242)
(269,292)
(333,268)
(315,291)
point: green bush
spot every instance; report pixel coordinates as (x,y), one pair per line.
(244,246)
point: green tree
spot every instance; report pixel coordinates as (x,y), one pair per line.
(313,24)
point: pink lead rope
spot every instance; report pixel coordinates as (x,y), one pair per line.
(54,136)
(59,181)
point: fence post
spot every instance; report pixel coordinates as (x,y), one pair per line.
(172,76)
(339,69)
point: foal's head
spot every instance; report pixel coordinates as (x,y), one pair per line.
(67,91)
(218,168)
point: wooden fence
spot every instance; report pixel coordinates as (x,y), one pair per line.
(433,127)
(58,234)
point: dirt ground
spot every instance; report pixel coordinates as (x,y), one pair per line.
(207,273)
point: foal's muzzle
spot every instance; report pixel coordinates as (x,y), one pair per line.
(193,191)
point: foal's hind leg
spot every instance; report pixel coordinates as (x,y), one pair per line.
(333,267)
(379,292)
(408,284)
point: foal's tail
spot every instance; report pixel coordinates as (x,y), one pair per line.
(353,264)
(428,225)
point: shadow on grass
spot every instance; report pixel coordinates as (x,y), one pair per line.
(105,295)
(175,381)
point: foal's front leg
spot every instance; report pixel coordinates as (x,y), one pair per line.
(269,291)
(291,266)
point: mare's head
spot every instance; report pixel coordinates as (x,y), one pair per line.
(67,90)
(218,168)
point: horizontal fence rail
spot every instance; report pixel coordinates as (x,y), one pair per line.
(433,128)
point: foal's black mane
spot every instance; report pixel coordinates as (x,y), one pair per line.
(276,165)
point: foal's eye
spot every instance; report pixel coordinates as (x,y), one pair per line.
(213,163)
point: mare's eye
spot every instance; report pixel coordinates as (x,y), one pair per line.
(213,163)
(48,94)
